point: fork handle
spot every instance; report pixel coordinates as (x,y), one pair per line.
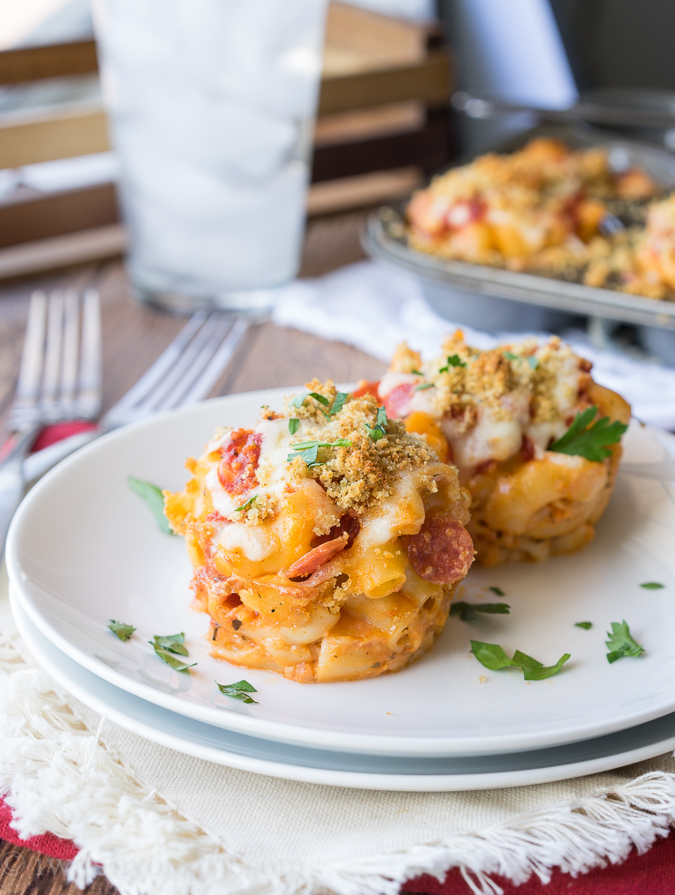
(11,477)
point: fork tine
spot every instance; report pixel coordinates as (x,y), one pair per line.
(204,383)
(30,372)
(157,371)
(52,368)
(191,363)
(90,378)
(71,325)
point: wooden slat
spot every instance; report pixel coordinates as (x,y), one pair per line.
(26,140)
(427,81)
(51,61)
(46,255)
(44,216)
(102,243)
(360,192)
(428,147)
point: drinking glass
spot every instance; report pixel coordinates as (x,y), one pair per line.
(211,106)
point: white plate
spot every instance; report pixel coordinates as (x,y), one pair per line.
(83,549)
(387,772)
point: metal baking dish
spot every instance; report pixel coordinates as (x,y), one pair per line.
(495,299)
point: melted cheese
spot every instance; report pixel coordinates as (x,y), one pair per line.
(256,542)
(490,439)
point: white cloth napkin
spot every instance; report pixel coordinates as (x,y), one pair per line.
(374,306)
(157,822)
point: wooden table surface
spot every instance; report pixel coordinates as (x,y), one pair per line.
(133,336)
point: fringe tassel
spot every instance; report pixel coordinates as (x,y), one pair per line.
(60,777)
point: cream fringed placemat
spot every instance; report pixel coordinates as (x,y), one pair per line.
(156,821)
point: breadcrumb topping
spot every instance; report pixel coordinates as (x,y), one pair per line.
(503,379)
(362,473)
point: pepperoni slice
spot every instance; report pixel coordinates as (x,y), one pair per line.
(441,552)
(348,527)
(316,557)
(240,453)
(397,402)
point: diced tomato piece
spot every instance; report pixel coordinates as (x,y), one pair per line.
(366,388)
(397,402)
(240,454)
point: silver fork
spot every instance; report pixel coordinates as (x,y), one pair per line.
(184,373)
(59,379)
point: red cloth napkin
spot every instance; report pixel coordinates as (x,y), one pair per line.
(650,874)
(59,431)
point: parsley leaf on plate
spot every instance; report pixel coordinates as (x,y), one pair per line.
(175,643)
(467,612)
(590,441)
(168,657)
(492,656)
(154,498)
(240,690)
(423,387)
(168,646)
(621,643)
(293,425)
(585,625)
(123,631)
(652,585)
(498,591)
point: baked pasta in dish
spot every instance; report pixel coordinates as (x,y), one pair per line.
(500,417)
(512,210)
(326,542)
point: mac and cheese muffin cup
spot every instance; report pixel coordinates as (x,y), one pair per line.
(326,542)
(499,416)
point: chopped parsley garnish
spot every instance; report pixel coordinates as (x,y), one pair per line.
(338,403)
(425,385)
(590,441)
(167,646)
(240,690)
(154,498)
(652,585)
(621,643)
(530,358)
(498,591)
(309,450)
(585,625)
(417,372)
(300,399)
(492,656)
(293,425)
(246,504)
(175,643)
(123,631)
(454,360)
(467,612)
(377,431)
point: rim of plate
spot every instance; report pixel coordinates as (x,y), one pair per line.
(68,674)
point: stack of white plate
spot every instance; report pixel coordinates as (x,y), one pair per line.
(83,549)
